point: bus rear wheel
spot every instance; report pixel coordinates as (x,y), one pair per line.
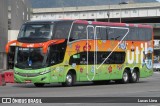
(134,76)
(70,80)
(39,84)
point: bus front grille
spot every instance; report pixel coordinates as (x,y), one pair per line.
(28,74)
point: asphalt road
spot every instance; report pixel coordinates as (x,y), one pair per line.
(147,87)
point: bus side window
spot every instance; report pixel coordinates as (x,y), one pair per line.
(110,59)
(90,32)
(102,33)
(104,57)
(78,32)
(117,33)
(83,59)
(110,34)
(54,57)
(119,57)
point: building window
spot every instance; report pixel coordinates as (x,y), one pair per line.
(126,11)
(101,13)
(134,11)
(68,14)
(117,13)
(75,14)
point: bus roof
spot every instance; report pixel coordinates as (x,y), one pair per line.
(93,23)
(45,21)
(113,24)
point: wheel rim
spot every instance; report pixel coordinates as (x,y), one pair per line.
(125,77)
(134,76)
(69,79)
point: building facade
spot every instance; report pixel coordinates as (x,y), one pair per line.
(3,32)
(18,13)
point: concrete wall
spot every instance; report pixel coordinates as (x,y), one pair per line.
(12,35)
(99,12)
(3,32)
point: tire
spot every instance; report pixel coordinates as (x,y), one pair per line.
(70,80)
(125,77)
(39,84)
(134,77)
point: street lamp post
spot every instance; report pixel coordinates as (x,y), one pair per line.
(120,11)
(121,3)
(62,3)
(108,13)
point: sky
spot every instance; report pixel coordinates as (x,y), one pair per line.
(158,0)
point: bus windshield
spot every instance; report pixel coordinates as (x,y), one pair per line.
(30,58)
(36,31)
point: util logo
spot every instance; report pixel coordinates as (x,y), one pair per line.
(138,55)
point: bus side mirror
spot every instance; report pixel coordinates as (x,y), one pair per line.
(8,45)
(47,44)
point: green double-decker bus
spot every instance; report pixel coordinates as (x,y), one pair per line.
(69,51)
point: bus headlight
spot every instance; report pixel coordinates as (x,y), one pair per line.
(44,72)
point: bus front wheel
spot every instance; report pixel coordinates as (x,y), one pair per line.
(70,80)
(125,78)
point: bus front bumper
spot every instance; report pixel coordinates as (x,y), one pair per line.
(31,78)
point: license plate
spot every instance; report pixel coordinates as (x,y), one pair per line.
(28,81)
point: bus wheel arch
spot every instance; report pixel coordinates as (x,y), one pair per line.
(70,78)
(125,75)
(134,75)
